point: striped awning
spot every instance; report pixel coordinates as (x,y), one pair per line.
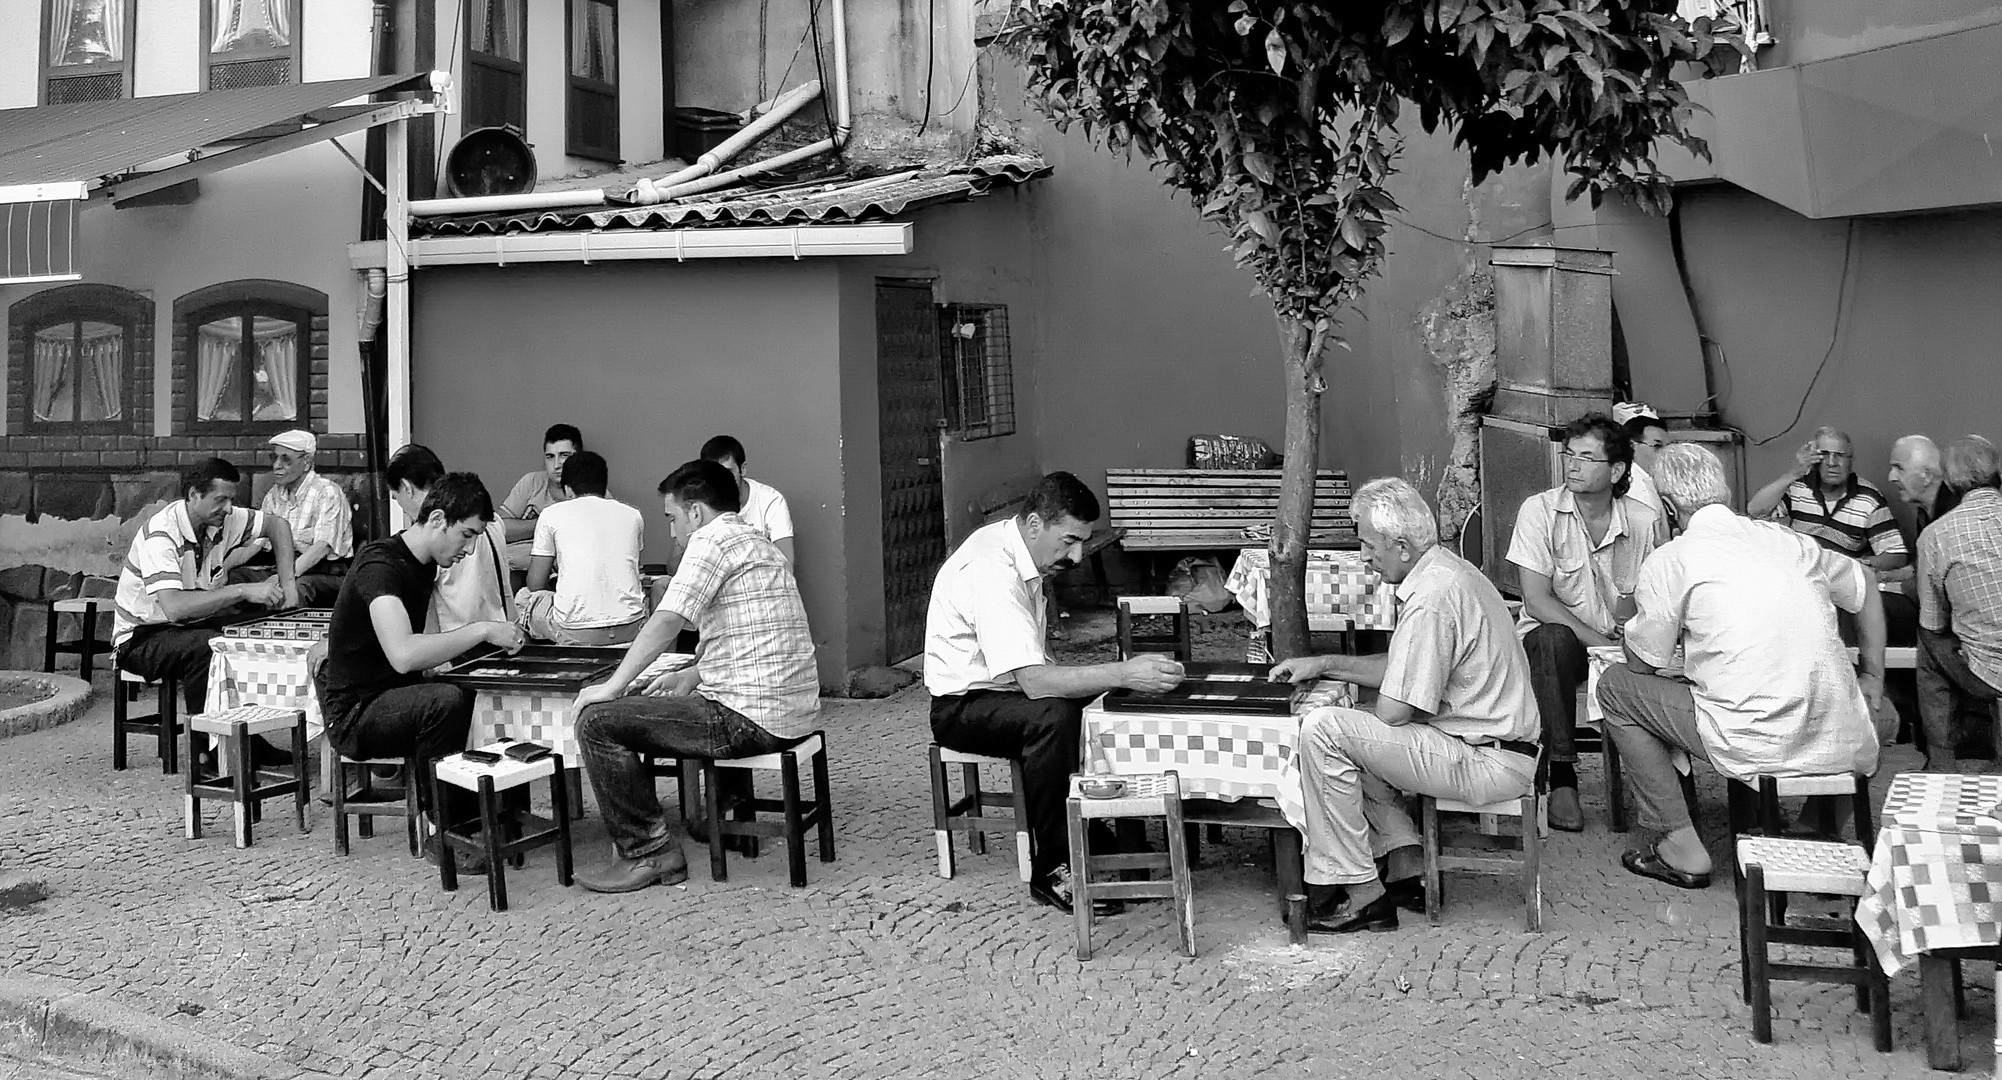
(38,232)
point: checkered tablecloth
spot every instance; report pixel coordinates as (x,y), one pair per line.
(534,716)
(1217,755)
(1338,583)
(1936,877)
(263,671)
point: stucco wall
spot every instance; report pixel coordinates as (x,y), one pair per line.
(1809,30)
(650,361)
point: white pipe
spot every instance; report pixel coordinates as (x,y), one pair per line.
(725,179)
(502,204)
(375,286)
(783,108)
(396,279)
(843,120)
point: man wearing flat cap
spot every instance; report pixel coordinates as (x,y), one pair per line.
(317,510)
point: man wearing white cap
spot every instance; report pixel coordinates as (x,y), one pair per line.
(317,510)
(1646,433)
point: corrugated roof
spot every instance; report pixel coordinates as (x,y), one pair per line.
(88,140)
(822,202)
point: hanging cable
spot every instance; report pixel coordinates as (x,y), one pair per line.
(1834,337)
(931,61)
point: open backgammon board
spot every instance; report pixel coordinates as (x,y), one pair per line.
(297,624)
(539,669)
(1213,687)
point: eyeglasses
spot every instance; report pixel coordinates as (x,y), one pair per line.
(1586,458)
(1652,444)
(1834,455)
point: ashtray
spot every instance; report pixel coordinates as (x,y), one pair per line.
(1101,788)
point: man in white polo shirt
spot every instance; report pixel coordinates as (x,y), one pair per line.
(1769,691)
(764,508)
(591,544)
(994,690)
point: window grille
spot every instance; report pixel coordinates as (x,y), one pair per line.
(977,376)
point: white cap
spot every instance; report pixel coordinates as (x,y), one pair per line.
(1626,411)
(300,441)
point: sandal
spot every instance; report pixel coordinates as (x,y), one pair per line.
(1647,863)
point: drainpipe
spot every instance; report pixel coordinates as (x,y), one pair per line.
(368,313)
(698,177)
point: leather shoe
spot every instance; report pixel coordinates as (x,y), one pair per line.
(1378,915)
(1564,811)
(631,875)
(1054,889)
(1408,893)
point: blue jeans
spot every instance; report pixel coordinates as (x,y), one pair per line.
(613,734)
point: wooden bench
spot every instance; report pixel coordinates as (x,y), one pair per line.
(1210,509)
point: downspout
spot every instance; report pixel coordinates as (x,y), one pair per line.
(370,343)
(700,176)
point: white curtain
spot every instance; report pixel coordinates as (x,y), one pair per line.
(217,345)
(277,373)
(594,31)
(113,14)
(66,17)
(103,362)
(51,373)
(245,22)
(497,28)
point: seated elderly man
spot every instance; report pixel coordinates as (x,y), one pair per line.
(1960,599)
(1579,547)
(1770,689)
(318,513)
(1454,718)
(1822,497)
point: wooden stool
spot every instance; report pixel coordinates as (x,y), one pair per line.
(965,815)
(164,725)
(237,779)
(1757,809)
(687,777)
(367,801)
(795,816)
(1530,812)
(1777,864)
(87,644)
(501,832)
(1146,796)
(1180,643)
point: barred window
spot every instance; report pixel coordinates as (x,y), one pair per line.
(250,43)
(977,379)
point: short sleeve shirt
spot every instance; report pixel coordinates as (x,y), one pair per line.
(596,543)
(318,514)
(1960,580)
(756,652)
(168,554)
(765,510)
(1859,524)
(531,495)
(357,668)
(1753,605)
(986,619)
(475,589)
(1588,579)
(1454,655)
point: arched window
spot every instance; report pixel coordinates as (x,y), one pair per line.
(246,354)
(75,349)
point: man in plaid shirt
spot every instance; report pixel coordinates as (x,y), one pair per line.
(1960,598)
(753,690)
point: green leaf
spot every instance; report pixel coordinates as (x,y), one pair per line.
(1275,51)
(1245,23)
(1449,12)
(1397,26)
(1354,235)
(1260,166)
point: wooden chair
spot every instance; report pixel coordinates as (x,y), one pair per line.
(1178,642)
(164,725)
(237,778)
(1531,813)
(965,815)
(795,814)
(87,644)
(1769,865)
(1146,796)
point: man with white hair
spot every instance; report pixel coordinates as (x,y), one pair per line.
(1918,475)
(321,520)
(1960,598)
(1769,691)
(1821,496)
(1454,718)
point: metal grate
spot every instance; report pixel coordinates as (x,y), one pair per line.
(242,73)
(977,375)
(70,89)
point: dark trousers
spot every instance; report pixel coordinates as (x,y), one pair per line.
(1043,733)
(176,651)
(426,721)
(1557,668)
(612,735)
(1946,685)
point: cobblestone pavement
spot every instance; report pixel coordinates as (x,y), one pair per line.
(40,1068)
(363,967)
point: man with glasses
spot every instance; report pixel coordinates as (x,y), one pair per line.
(1578,548)
(1644,429)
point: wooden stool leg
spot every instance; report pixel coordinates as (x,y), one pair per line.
(416,773)
(976,839)
(1866,830)
(191,801)
(1080,879)
(559,802)
(1178,868)
(941,814)
(795,829)
(1936,978)
(712,801)
(1755,913)
(1428,811)
(169,713)
(1532,861)
(242,779)
(448,865)
(302,773)
(1025,842)
(339,790)
(824,796)
(574,781)
(120,715)
(1290,868)
(1745,915)
(490,832)
(365,823)
(86,646)
(1122,632)
(1616,790)
(49,640)
(1880,1000)
(1192,843)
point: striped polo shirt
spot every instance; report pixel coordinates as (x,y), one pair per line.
(168,554)
(1859,524)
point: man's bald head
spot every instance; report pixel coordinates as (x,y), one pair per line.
(1916,468)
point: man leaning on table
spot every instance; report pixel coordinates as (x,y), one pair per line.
(1454,718)
(993,688)
(1960,599)
(1769,691)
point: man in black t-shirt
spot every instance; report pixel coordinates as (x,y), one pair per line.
(378,703)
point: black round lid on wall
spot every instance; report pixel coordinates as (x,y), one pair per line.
(490,161)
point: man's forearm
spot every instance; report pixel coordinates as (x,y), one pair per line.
(1063,681)
(1764,500)
(1360,670)
(422,652)
(194,605)
(311,557)
(652,640)
(1871,634)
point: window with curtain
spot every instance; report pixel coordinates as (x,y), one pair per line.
(249,363)
(496,92)
(78,370)
(593,106)
(87,50)
(250,43)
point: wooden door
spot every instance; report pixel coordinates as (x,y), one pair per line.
(909,411)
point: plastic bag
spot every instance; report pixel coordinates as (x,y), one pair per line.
(1200,579)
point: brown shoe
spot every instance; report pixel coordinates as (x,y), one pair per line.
(630,875)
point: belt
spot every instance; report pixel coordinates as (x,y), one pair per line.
(1526,749)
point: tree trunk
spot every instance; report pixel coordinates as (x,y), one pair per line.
(1303,343)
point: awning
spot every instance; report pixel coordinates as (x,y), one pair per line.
(54,156)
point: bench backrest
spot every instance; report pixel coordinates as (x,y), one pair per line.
(1202,509)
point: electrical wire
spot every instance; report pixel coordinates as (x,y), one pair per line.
(1410,224)
(931,62)
(1834,337)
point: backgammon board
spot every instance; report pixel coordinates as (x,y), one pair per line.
(296,624)
(1213,687)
